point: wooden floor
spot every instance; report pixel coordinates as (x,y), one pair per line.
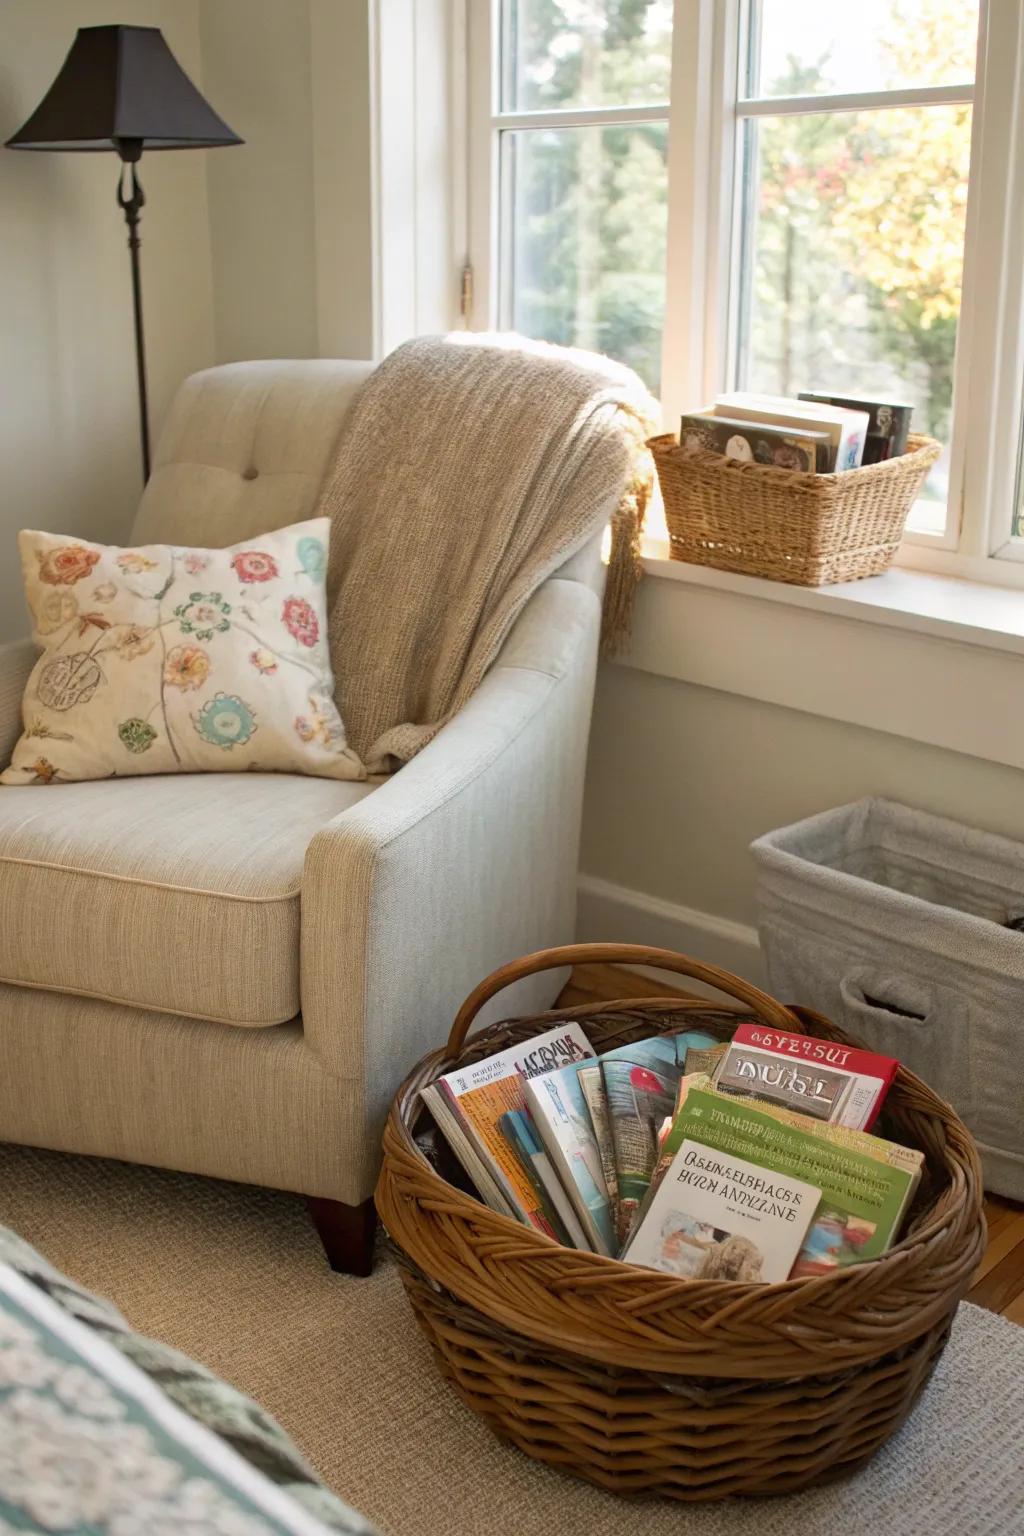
(999,1283)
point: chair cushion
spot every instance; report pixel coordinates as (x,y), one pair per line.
(244,449)
(178,893)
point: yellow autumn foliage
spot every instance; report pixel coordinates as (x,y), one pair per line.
(904,204)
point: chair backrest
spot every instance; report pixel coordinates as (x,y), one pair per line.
(244,450)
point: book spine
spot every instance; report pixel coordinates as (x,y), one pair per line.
(493,1152)
(526,1153)
(575,1237)
(592,1086)
(449,1126)
(561,1165)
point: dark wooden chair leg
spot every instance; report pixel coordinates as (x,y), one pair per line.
(347,1233)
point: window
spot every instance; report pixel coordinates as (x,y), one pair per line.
(852,220)
(835,194)
(582,166)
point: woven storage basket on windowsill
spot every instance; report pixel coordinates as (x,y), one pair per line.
(785,525)
(644,1383)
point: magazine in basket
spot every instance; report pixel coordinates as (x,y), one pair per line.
(469,1103)
(641,1081)
(836,1083)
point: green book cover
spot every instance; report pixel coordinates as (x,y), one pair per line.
(863,1200)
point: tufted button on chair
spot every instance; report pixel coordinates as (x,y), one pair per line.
(229,974)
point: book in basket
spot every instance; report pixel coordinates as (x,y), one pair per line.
(592,1087)
(821,1078)
(866,1183)
(717,1216)
(520,1132)
(640,1081)
(469,1102)
(559,1110)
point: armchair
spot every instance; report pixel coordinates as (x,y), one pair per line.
(228,974)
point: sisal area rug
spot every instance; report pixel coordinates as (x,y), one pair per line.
(234,1276)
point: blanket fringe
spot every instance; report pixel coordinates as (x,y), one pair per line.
(625,566)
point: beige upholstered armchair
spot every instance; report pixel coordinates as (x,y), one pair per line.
(229,974)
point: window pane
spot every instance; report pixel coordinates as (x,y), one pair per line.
(585,53)
(585,248)
(805,47)
(852,258)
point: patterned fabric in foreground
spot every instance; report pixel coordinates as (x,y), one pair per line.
(87,1445)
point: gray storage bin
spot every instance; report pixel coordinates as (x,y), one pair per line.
(892,923)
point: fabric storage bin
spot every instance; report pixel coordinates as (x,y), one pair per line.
(892,922)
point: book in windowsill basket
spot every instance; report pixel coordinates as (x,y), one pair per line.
(468,1105)
(867,1184)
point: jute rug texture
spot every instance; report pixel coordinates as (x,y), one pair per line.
(234,1276)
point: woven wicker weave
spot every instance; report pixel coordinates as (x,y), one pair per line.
(641,1382)
(784,525)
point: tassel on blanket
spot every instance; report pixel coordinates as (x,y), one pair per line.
(625,566)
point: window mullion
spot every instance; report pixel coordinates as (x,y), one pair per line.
(482,162)
(856,101)
(582,117)
(990,369)
(697,159)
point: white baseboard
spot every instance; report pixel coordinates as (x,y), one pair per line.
(608,913)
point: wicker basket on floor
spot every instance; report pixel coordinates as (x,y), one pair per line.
(784,525)
(644,1383)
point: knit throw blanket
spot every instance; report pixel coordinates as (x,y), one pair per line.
(469,469)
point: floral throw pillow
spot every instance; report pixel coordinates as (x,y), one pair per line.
(168,660)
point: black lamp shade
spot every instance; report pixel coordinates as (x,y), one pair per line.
(121,88)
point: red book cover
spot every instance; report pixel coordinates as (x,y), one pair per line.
(857,1104)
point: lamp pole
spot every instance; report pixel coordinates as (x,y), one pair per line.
(131,200)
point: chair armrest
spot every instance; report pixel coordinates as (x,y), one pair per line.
(463,860)
(17,659)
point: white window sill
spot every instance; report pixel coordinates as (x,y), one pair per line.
(945,607)
(932,659)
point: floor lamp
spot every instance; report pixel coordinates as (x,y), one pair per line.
(122,89)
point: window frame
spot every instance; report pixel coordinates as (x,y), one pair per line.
(705,115)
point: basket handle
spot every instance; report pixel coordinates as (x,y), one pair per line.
(617,954)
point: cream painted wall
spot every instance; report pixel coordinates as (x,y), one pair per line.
(68,434)
(681,778)
(290,211)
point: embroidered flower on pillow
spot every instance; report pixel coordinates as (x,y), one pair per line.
(300,620)
(225,721)
(254,565)
(187,666)
(180,660)
(68,563)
